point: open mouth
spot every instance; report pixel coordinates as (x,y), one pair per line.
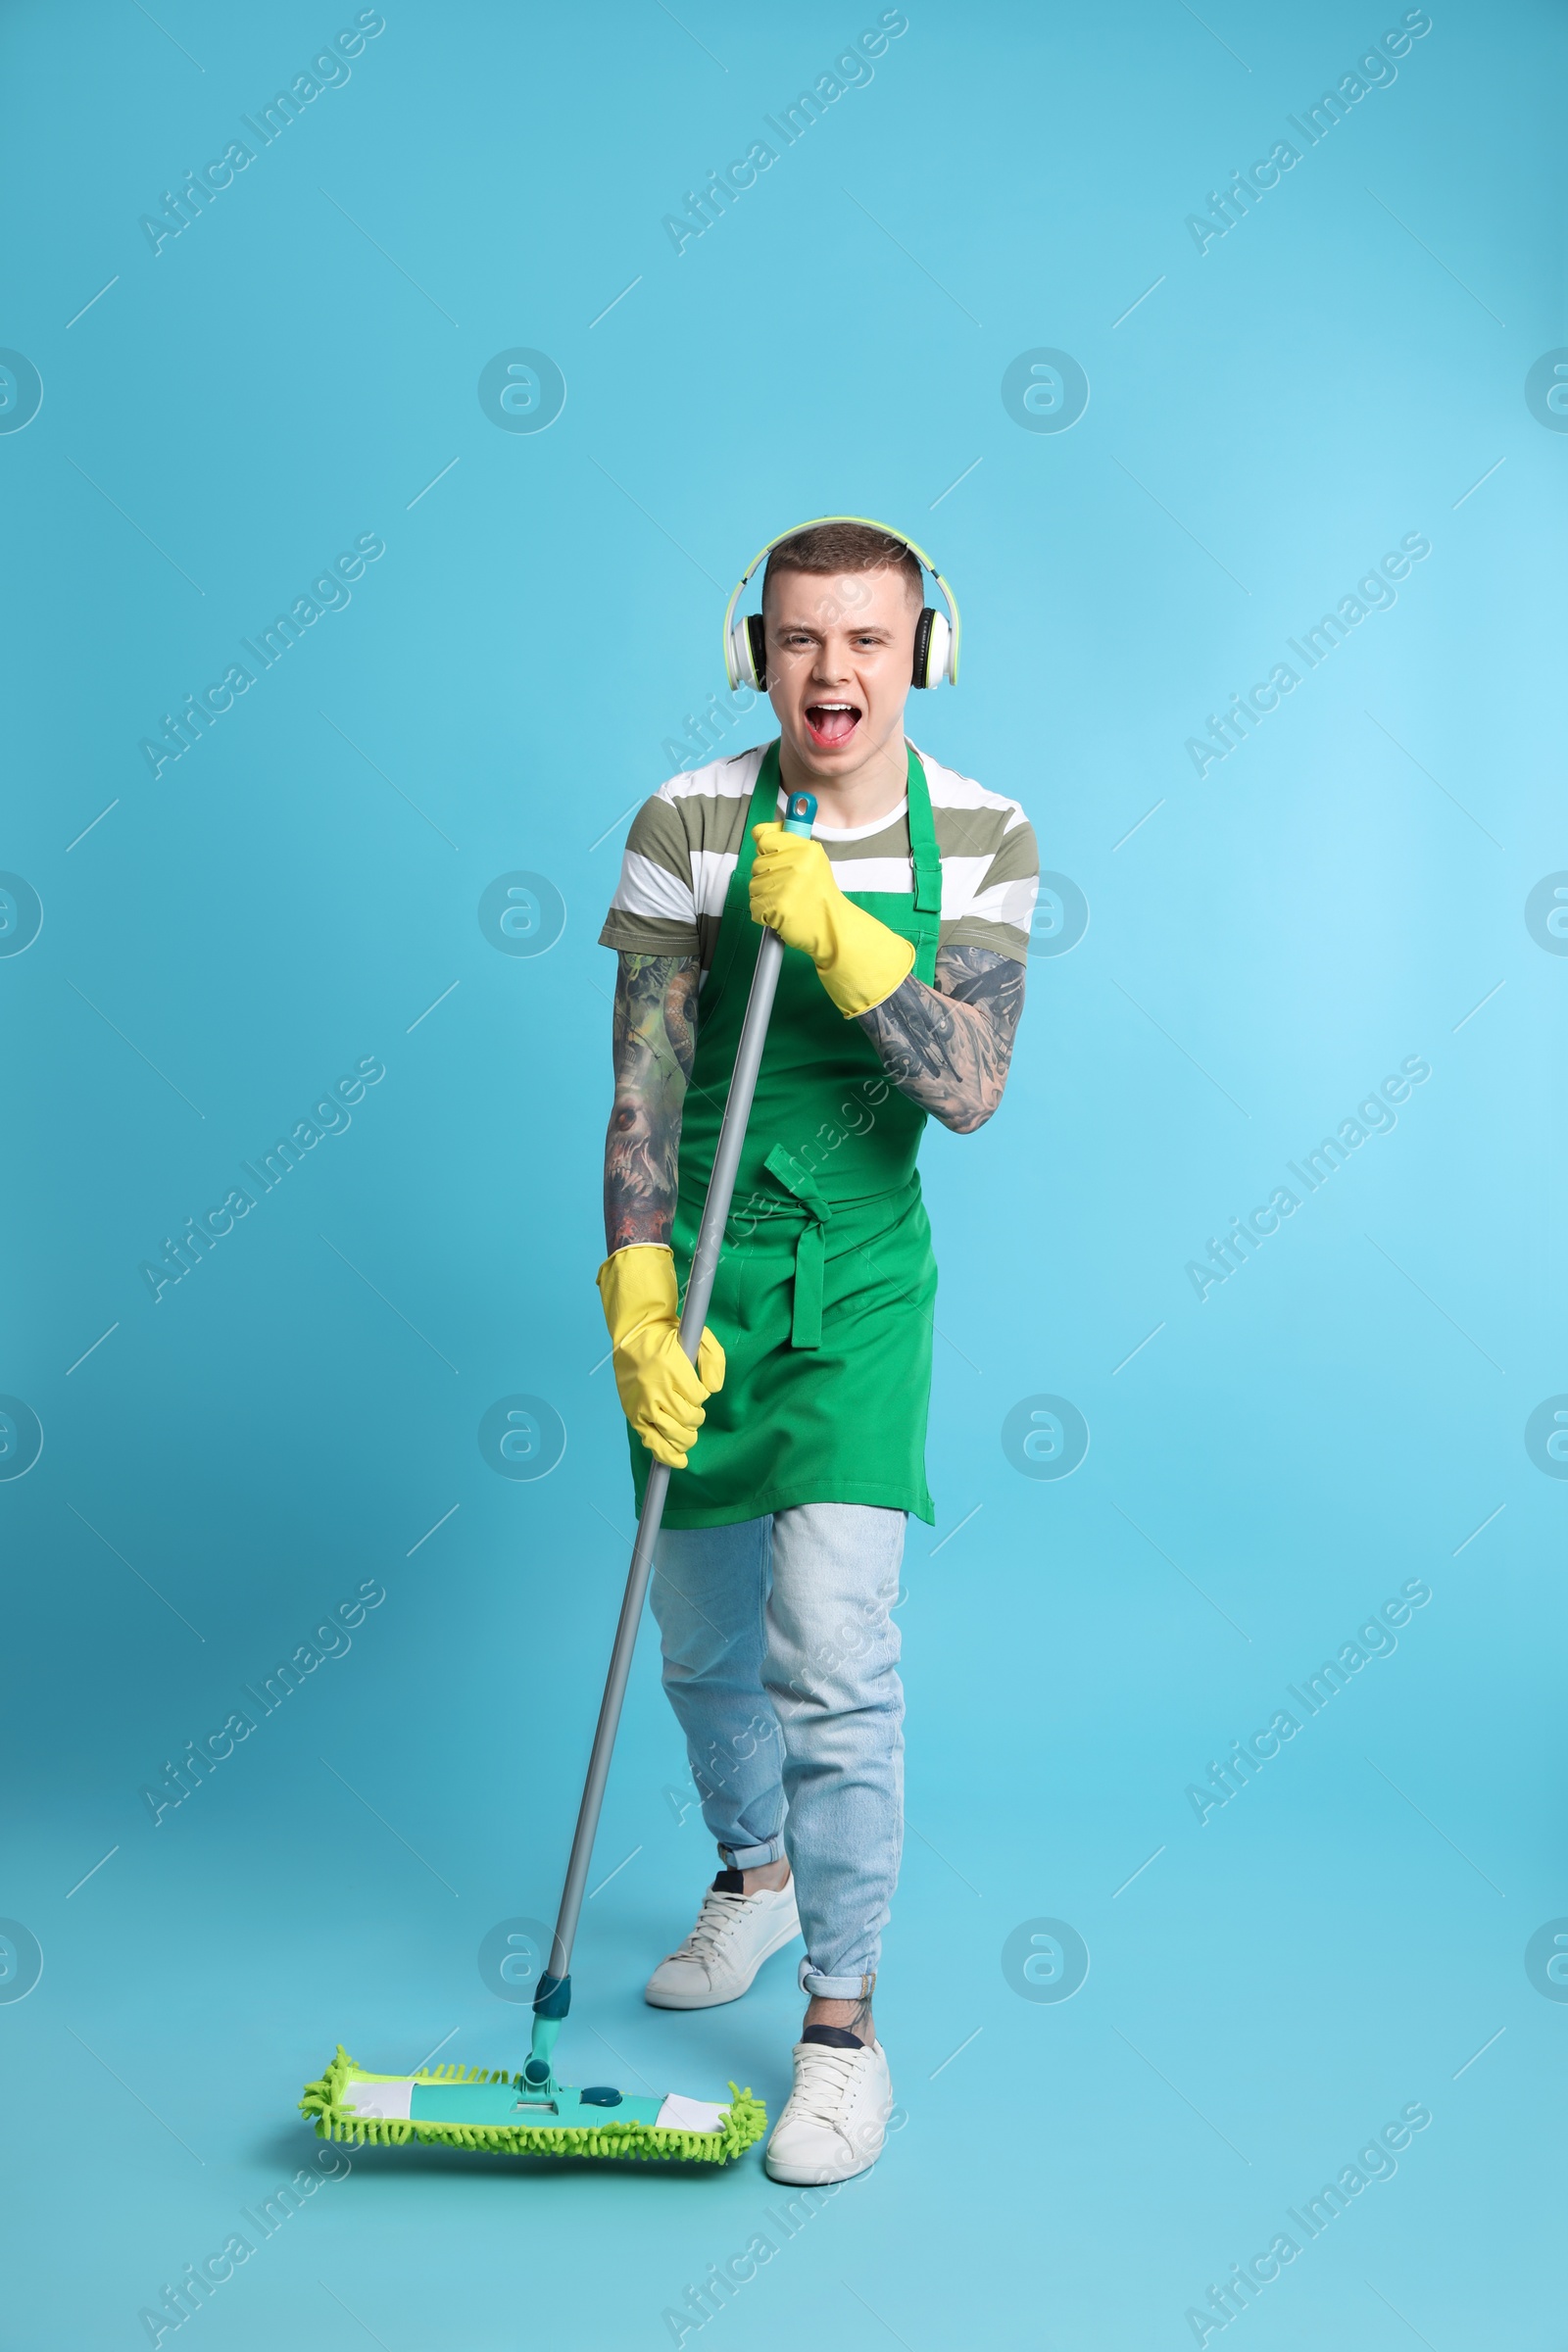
(830,725)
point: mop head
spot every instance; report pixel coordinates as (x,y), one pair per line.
(466,2107)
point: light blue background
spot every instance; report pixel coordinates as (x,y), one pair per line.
(1341,893)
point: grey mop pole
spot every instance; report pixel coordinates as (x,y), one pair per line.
(554,1997)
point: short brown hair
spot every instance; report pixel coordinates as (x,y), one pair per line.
(828,549)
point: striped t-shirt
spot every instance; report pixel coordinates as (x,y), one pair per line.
(684,843)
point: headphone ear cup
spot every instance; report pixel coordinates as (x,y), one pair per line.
(933,647)
(748,653)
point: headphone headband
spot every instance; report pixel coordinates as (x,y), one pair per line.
(950,667)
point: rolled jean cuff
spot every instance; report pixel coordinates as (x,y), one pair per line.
(751,1857)
(833,1988)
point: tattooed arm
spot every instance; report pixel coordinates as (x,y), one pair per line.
(655,1032)
(948,1047)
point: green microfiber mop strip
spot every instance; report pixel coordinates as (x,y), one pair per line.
(746,2119)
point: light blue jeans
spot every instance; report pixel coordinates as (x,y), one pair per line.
(781,1664)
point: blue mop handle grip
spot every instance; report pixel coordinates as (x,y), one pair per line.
(799,812)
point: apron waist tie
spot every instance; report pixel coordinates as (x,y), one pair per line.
(810,1247)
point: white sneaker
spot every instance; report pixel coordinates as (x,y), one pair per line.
(733,1935)
(836,2118)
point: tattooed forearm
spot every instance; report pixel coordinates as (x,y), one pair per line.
(655,1032)
(948,1047)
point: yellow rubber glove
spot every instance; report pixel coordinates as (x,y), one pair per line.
(858,961)
(662,1392)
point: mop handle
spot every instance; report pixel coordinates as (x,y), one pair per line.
(800,816)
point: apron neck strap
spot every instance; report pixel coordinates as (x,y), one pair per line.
(736,928)
(923,851)
(762,810)
(926,858)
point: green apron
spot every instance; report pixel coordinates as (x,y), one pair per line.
(826,1284)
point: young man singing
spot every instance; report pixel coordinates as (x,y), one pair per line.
(905,925)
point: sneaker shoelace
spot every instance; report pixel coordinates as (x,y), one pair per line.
(721,1915)
(824,2081)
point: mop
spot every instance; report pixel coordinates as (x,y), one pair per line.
(532,2112)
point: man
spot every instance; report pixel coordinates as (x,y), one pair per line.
(906,924)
